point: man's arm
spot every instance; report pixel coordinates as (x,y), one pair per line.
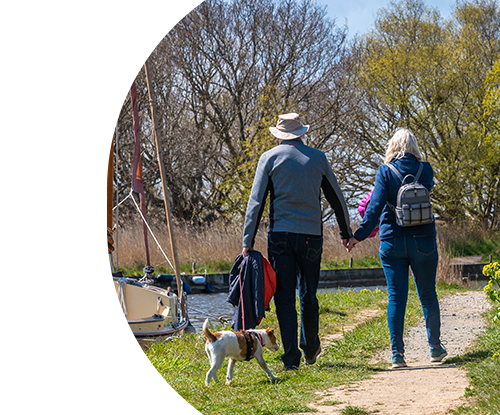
(256,203)
(334,196)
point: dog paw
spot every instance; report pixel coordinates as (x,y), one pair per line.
(229,382)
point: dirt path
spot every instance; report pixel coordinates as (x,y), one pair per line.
(423,388)
(467,260)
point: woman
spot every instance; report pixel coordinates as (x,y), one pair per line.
(402,247)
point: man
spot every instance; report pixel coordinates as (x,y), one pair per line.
(294,175)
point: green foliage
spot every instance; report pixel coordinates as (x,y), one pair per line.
(493,287)
(482,361)
(471,247)
(438,79)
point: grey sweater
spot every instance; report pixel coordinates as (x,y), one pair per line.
(294,175)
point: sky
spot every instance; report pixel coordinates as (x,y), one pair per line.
(360,14)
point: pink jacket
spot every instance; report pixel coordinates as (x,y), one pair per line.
(362,209)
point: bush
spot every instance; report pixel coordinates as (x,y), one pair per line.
(493,271)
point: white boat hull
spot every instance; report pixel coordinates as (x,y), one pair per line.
(150,311)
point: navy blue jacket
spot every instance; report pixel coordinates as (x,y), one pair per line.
(253,286)
(386,189)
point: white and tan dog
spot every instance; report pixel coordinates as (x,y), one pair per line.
(239,345)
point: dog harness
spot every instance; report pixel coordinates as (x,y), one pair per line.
(249,340)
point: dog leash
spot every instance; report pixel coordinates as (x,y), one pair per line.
(241,300)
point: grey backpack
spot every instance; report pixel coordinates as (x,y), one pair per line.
(413,203)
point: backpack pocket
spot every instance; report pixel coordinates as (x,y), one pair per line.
(414,214)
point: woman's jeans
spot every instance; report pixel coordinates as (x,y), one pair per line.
(296,257)
(397,255)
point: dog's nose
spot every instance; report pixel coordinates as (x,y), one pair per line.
(276,347)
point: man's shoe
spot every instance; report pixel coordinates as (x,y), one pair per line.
(438,353)
(312,359)
(291,368)
(398,360)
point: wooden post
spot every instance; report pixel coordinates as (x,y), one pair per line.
(163,176)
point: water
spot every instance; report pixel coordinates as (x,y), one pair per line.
(214,306)
(211,306)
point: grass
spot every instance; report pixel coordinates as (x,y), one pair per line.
(183,363)
(343,263)
(482,362)
(354,410)
(470,240)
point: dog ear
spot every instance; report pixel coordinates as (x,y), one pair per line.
(270,331)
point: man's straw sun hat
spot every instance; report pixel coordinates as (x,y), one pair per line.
(289,127)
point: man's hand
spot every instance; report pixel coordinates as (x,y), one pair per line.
(351,243)
(245,252)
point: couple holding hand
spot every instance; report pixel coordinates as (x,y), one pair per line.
(293,175)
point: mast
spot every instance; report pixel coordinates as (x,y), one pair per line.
(137,182)
(110,232)
(166,199)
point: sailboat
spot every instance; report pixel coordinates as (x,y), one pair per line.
(151,311)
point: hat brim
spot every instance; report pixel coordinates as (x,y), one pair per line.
(289,135)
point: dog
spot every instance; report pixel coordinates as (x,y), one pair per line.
(237,346)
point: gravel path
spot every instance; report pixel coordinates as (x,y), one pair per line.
(422,388)
(461,322)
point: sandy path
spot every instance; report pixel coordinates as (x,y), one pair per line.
(422,388)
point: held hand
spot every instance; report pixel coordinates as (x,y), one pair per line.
(351,244)
(245,252)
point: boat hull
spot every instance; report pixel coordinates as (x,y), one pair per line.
(151,312)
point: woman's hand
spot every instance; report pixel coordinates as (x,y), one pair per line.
(351,244)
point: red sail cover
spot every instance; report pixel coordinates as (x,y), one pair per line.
(137,184)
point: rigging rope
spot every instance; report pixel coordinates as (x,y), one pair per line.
(149,228)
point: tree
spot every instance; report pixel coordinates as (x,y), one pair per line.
(420,72)
(225,72)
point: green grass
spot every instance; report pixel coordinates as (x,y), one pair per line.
(183,363)
(472,247)
(354,410)
(339,263)
(482,361)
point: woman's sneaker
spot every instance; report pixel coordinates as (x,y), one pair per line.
(398,360)
(438,353)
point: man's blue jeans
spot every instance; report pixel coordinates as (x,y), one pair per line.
(296,257)
(397,255)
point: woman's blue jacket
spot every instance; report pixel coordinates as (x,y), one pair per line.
(386,189)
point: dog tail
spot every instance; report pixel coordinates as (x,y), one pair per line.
(206,332)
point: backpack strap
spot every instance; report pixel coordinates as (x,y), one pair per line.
(395,170)
(419,171)
(415,178)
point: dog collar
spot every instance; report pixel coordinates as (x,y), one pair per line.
(260,338)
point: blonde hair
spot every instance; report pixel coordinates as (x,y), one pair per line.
(403,141)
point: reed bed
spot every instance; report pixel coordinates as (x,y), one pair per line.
(214,248)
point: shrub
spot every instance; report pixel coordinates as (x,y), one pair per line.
(493,287)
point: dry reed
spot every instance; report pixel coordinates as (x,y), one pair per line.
(222,243)
(217,243)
